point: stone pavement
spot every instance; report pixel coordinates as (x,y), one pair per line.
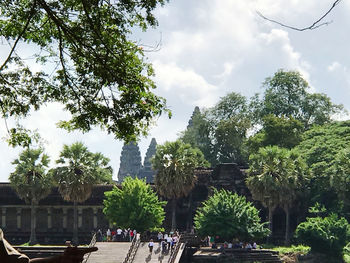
(143,255)
(109,252)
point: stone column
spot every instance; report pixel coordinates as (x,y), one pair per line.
(95,217)
(80,217)
(64,217)
(19,217)
(3,217)
(49,218)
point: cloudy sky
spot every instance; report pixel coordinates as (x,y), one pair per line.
(210,48)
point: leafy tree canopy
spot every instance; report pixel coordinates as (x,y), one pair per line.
(276,176)
(78,170)
(135,205)
(31,179)
(286,94)
(280,131)
(319,148)
(219,132)
(93,68)
(175,163)
(229,216)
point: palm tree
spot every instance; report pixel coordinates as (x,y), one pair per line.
(78,170)
(31,181)
(274,178)
(175,163)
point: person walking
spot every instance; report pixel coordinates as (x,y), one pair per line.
(150,245)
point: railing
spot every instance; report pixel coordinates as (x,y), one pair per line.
(175,251)
(133,249)
(92,244)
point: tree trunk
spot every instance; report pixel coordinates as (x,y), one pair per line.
(189,217)
(32,239)
(271,209)
(75,224)
(287,236)
(173,217)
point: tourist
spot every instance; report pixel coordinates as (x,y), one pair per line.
(131,235)
(163,245)
(150,245)
(169,240)
(213,245)
(119,234)
(135,232)
(109,234)
(254,246)
(229,245)
(71,254)
(160,236)
(99,237)
(248,246)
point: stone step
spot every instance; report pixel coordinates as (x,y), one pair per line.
(144,256)
(109,252)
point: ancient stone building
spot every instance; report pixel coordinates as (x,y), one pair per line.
(130,161)
(55,216)
(147,172)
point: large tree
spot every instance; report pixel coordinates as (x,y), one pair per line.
(319,148)
(175,163)
(92,66)
(229,216)
(220,132)
(134,205)
(31,181)
(275,178)
(287,95)
(77,171)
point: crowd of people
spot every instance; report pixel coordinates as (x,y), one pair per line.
(212,242)
(166,242)
(115,235)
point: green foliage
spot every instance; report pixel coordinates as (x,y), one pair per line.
(30,179)
(97,72)
(281,131)
(319,148)
(78,170)
(134,206)
(276,176)
(340,175)
(324,235)
(175,163)
(219,132)
(286,95)
(229,216)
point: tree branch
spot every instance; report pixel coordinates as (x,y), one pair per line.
(315,25)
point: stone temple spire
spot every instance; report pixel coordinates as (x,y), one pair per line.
(130,161)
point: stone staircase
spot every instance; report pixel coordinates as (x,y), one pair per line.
(109,252)
(144,256)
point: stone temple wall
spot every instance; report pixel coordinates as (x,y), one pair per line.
(55,216)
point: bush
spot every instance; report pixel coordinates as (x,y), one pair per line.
(326,235)
(229,216)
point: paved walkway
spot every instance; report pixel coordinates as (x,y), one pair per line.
(109,252)
(144,256)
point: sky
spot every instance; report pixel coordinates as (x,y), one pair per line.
(209,48)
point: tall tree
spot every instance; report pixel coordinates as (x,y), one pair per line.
(175,163)
(319,148)
(280,131)
(220,132)
(130,161)
(275,178)
(96,71)
(135,205)
(287,95)
(31,181)
(77,171)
